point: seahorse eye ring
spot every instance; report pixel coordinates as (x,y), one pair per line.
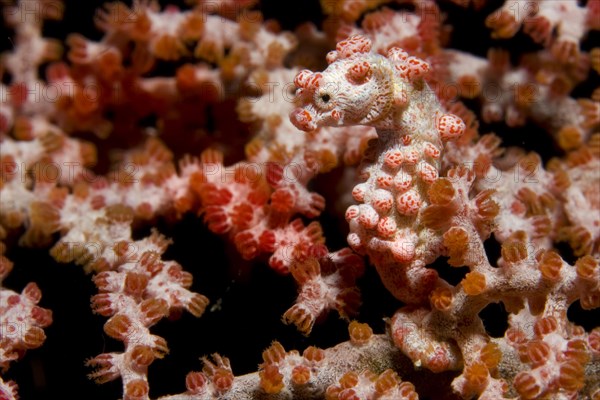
(324,100)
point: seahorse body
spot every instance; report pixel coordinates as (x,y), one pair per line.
(360,87)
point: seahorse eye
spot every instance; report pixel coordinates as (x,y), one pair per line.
(324,99)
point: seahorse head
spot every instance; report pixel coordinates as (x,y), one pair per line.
(356,88)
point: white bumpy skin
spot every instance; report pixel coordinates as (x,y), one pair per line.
(360,87)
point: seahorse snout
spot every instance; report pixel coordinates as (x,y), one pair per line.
(303,119)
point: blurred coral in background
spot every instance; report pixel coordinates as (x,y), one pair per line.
(353,200)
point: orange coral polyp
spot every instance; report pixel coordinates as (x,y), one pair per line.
(441,298)
(360,333)
(271,380)
(474,283)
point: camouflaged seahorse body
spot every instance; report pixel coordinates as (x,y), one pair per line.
(360,87)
